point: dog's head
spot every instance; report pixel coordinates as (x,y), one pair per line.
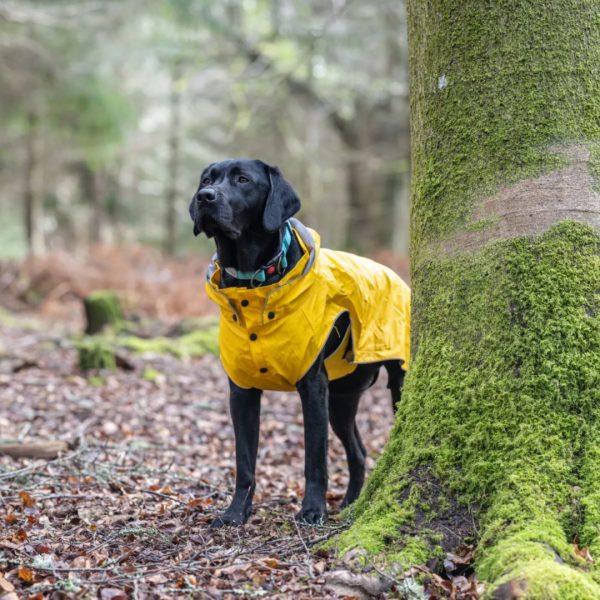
(240,194)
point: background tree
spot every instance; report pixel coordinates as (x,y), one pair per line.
(498,436)
(314,86)
(64,117)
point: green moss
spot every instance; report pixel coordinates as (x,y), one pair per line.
(493,87)
(96,353)
(96,380)
(14,319)
(498,410)
(151,374)
(191,344)
(102,309)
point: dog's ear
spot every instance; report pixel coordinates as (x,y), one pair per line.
(195,217)
(194,213)
(282,201)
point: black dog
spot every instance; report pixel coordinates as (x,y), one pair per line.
(246,205)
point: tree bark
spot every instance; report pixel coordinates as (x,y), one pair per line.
(31,186)
(170,241)
(497,440)
(98,202)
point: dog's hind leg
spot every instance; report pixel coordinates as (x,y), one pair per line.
(342,414)
(245,414)
(395,380)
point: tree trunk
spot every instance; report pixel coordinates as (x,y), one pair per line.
(170,241)
(362,194)
(98,202)
(497,440)
(31,186)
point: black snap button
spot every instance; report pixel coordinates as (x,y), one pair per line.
(253,336)
(271,315)
(245,302)
(234,317)
(263,369)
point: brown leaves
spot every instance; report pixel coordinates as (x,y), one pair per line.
(136,508)
(457,581)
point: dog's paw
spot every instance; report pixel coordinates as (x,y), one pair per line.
(228,520)
(312,516)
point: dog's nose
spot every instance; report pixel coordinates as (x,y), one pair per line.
(206,196)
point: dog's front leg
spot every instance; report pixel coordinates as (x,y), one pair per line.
(313,390)
(244,405)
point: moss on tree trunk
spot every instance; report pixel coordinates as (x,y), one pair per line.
(497,439)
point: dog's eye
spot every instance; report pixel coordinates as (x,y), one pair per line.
(206,181)
(242,179)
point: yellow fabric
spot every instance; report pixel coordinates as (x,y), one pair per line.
(291,319)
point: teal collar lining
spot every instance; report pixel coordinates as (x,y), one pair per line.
(276,265)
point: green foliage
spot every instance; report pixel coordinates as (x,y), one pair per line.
(92,113)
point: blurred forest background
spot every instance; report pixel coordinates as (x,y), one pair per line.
(109,110)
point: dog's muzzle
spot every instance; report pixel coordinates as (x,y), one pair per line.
(211,213)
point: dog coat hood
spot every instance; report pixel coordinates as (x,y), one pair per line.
(269,336)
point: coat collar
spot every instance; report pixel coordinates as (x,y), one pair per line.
(278,264)
(229,297)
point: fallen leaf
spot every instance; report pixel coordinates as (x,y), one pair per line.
(26,499)
(270,562)
(21,535)
(25,574)
(347,583)
(112,594)
(6,585)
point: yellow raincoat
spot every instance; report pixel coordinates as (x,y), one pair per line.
(271,335)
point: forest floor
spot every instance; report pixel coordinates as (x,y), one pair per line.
(124,510)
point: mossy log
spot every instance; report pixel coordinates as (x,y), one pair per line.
(497,439)
(102,309)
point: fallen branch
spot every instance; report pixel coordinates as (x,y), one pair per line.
(47,449)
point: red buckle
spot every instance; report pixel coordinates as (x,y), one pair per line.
(271,270)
